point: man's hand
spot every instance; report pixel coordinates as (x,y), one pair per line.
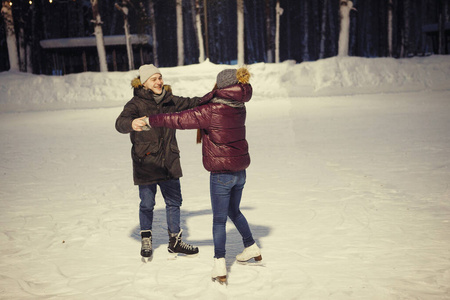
(139,124)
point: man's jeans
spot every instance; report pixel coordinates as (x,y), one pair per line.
(226,192)
(171,192)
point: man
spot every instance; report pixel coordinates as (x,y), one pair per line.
(155,155)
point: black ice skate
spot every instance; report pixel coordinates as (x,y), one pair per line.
(177,246)
(146,246)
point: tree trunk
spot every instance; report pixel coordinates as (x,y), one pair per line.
(10,36)
(323,28)
(390,26)
(85,65)
(279,12)
(198,22)
(344,34)
(36,36)
(205,12)
(29,68)
(441,25)
(240,33)
(180,42)
(22,48)
(406,29)
(99,36)
(155,40)
(126,26)
(305,39)
(269,37)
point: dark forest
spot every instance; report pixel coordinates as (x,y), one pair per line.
(304,25)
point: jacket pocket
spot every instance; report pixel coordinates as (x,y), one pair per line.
(142,150)
(174,149)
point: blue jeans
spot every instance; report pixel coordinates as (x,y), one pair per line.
(171,191)
(226,192)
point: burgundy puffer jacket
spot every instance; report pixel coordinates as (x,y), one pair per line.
(225,148)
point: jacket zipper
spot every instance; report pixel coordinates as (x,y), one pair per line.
(163,143)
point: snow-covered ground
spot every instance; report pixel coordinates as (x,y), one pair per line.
(348,193)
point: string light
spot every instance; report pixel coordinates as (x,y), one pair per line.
(62,1)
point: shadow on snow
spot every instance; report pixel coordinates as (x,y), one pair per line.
(234,243)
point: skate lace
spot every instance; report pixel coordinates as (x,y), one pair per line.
(146,244)
(186,246)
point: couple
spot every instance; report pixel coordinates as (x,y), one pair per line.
(151,118)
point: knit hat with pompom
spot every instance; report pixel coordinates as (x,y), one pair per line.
(232,76)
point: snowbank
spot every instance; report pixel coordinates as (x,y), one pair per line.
(327,77)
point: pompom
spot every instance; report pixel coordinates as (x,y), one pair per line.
(243,75)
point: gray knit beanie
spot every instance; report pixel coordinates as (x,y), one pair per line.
(226,78)
(145,71)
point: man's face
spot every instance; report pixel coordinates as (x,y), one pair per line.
(155,83)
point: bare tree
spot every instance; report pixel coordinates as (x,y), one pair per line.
(443,7)
(344,35)
(180,42)
(404,48)
(99,36)
(126,26)
(305,33)
(10,36)
(269,36)
(390,30)
(323,29)
(279,12)
(205,13)
(198,22)
(22,46)
(240,32)
(155,40)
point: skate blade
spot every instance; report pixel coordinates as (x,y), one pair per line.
(255,261)
(146,259)
(251,263)
(173,256)
(222,280)
(189,255)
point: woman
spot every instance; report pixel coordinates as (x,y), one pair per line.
(225,155)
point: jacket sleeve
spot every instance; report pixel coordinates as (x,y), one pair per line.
(196,118)
(126,117)
(183,103)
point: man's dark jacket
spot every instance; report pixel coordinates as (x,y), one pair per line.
(154,153)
